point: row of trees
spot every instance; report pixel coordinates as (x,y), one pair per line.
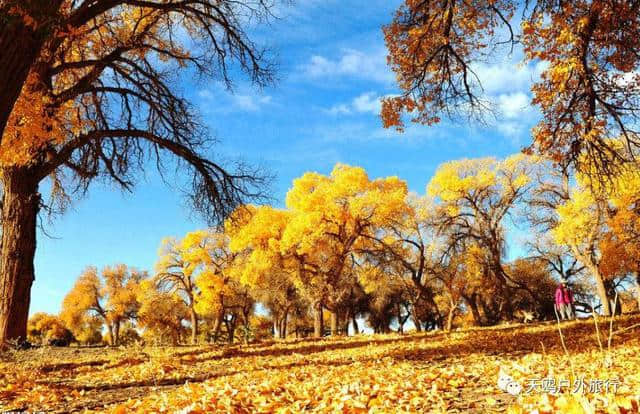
(87,91)
(347,247)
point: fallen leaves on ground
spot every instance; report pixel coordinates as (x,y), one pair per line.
(422,372)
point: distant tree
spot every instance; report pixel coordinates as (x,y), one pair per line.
(581,227)
(588,91)
(620,245)
(540,299)
(88,91)
(109,297)
(43,328)
(88,330)
(256,233)
(128,334)
(261,327)
(333,218)
(476,197)
(179,264)
(316,240)
(161,314)
(409,249)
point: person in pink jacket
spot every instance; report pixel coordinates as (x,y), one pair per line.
(564,302)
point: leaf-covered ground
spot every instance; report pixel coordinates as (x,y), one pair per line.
(431,372)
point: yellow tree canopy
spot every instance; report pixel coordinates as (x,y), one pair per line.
(43,327)
(258,232)
(334,216)
(110,296)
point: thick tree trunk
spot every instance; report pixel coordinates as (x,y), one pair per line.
(194,325)
(20,207)
(474,310)
(354,321)
(18,51)
(318,321)
(20,46)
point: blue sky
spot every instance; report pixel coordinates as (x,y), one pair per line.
(323,110)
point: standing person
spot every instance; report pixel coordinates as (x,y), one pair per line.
(564,302)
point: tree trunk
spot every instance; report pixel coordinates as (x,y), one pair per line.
(601,289)
(20,46)
(217,323)
(20,206)
(318,321)
(283,330)
(110,329)
(452,311)
(354,321)
(194,325)
(334,323)
(401,320)
(416,320)
(116,333)
(231,330)
(474,310)
(18,51)
(345,325)
(638,289)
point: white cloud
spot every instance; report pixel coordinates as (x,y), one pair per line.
(353,63)
(251,103)
(229,102)
(339,109)
(368,102)
(508,76)
(514,105)
(365,103)
(517,115)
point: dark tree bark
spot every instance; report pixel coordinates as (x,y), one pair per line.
(318,321)
(416,319)
(217,323)
(637,289)
(346,318)
(334,323)
(354,321)
(20,205)
(473,305)
(231,324)
(116,333)
(20,46)
(283,328)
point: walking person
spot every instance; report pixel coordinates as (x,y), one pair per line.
(564,302)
